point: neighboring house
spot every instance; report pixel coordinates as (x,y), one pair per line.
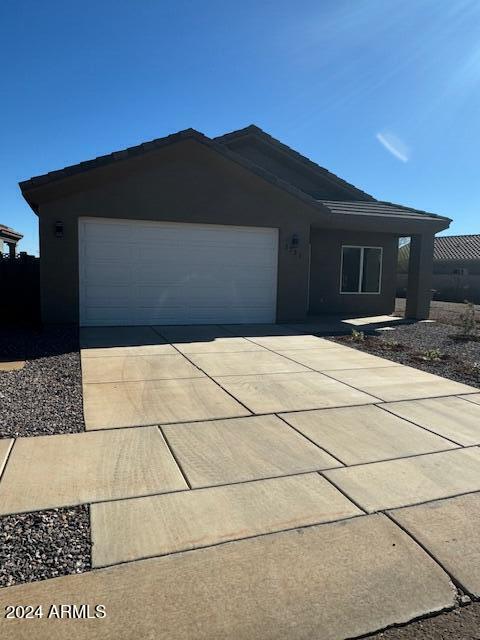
(8,240)
(187,229)
(456,268)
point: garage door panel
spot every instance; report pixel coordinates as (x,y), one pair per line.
(134,272)
(106,295)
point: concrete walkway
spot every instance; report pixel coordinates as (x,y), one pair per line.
(255,481)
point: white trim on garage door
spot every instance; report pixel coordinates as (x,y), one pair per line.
(135,272)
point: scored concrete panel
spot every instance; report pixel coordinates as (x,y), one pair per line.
(143,527)
(330,581)
(359,322)
(272,393)
(287,342)
(134,368)
(364,434)
(399,483)
(231,344)
(117,336)
(400,383)
(451,417)
(244,363)
(449,529)
(55,471)
(140,350)
(98,342)
(224,451)
(472,397)
(130,404)
(190,333)
(336,358)
(5,446)
(258,330)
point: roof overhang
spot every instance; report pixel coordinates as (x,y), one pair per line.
(370,215)
(8,234)
(61,183)
(383,217)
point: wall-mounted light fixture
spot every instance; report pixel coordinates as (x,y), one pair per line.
(59,229)
(294,241)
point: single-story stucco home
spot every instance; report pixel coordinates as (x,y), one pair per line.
(188,229)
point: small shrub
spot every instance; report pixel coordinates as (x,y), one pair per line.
(357,336)
(475,368)
(432,355)
(393,345)
(468,321)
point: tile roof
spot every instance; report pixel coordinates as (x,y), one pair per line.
(260,133)
(365,205)
(377,208)
(110,158)
(457,247)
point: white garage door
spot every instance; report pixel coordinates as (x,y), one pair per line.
(140,272)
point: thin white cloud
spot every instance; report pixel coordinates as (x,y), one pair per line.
(394,145)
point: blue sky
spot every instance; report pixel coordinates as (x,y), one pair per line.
(386,94)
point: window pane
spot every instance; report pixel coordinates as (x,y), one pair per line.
(350,269)
(371,270)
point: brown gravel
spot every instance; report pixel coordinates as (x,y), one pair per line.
(44,544)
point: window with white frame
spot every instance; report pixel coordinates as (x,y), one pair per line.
(361,270)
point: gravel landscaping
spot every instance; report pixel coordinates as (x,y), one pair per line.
(44,544)
(427,346)
(45,397)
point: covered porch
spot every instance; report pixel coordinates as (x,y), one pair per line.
(353,259)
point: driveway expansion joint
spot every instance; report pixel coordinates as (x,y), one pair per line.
(460,588)
(309,439)
(321,373)
(420,426)
(177,461)
(210,378)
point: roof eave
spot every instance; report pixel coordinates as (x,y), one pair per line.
(34,186)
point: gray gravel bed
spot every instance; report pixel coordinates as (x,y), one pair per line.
(423,336)
(44,544)
(45,397)
(409,344)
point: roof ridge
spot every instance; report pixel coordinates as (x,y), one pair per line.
(253,128)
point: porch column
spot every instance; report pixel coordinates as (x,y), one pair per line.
(419,289)
(12,246)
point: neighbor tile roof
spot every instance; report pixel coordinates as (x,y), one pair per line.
(457,247)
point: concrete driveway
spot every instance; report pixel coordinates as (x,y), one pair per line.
(256,481)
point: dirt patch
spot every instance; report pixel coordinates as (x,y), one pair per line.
(459,624)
